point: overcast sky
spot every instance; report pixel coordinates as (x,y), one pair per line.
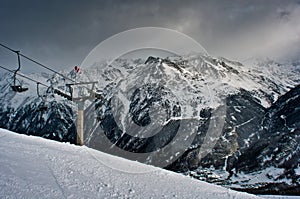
(60,33)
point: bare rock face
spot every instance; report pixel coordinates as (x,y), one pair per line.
(276,146)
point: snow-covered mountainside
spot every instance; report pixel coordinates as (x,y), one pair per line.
(246,113)
(269,162)
(32,167)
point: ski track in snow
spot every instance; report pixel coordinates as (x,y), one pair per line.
(32,167)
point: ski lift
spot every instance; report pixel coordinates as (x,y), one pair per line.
(43,97)
(15,87)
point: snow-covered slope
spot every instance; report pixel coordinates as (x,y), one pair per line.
(32,167)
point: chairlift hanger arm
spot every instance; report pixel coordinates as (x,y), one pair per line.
(37,89)
(19,67)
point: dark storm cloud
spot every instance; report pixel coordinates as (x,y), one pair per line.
(61,33)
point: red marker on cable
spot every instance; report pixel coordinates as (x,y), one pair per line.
(77,69)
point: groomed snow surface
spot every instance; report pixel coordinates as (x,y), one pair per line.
(33,167)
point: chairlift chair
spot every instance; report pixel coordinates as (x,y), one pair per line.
(15,87)
(18,88)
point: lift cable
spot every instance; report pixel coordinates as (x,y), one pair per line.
(36,62)
(56,91)
(50,69)
(21,75)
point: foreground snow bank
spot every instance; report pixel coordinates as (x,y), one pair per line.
(32,167)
